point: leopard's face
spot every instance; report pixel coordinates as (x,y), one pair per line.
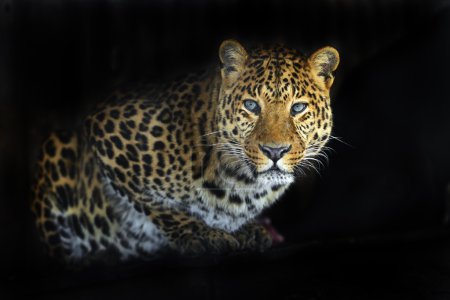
(276,111)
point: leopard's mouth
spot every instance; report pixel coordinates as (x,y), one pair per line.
(275,168)
(275,171)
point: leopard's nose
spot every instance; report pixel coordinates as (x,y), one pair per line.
(275,153)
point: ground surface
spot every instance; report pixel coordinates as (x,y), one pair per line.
(410,266)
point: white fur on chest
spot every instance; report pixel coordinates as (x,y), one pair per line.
(230,217)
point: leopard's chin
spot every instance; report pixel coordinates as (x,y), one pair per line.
(276,176)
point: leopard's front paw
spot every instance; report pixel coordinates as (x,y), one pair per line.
(210,241)
(253,236)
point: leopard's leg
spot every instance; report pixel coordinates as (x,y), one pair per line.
(47,225)
(53,191)
(187,234)
(253,236)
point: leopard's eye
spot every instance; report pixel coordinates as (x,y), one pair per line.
(252,106)
(298,108)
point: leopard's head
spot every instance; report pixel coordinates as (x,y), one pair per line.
(274,108)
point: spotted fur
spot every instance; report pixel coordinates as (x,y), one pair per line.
(185,166)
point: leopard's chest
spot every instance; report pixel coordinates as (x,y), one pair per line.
(240,204)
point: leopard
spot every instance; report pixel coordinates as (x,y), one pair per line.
(189,165)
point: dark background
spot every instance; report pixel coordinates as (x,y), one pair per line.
(372,225)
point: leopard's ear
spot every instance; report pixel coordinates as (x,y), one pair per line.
(323,63)
(233,57)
